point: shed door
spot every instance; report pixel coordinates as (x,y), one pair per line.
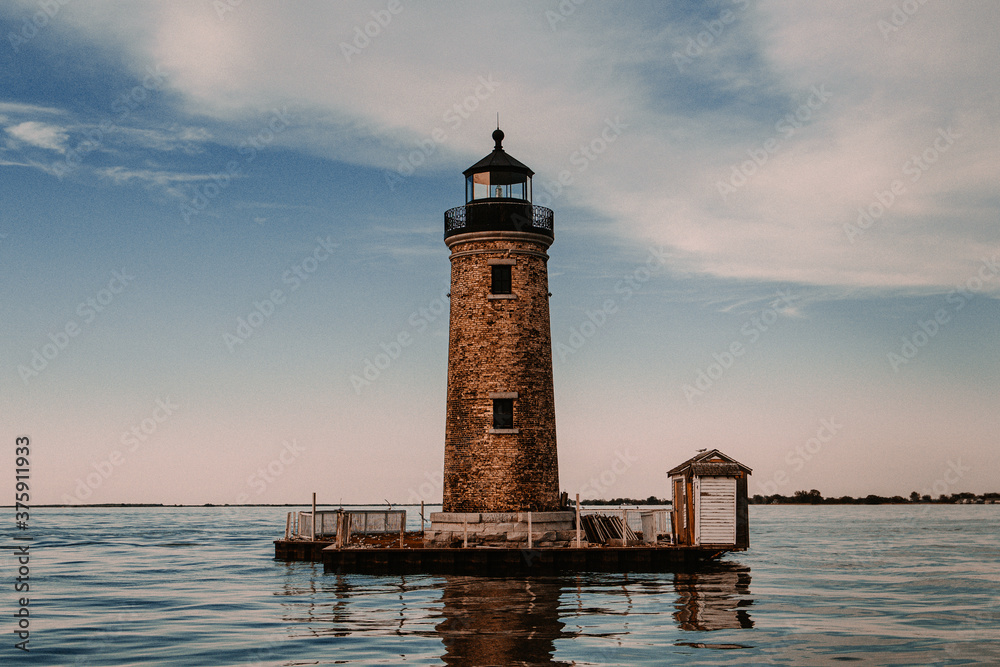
(717,510)
(679,509)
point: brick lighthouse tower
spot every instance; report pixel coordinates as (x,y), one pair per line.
(500,437)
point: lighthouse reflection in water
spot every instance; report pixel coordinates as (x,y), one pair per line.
(597,618)
(511,621)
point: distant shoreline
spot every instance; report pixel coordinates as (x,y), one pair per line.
(107,505)
(814,497)
(801,498)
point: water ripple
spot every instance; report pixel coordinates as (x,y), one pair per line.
(822,586)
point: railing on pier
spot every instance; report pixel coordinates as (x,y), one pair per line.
(299,525)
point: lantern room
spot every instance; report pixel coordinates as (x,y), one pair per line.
(498,198)
(498,176)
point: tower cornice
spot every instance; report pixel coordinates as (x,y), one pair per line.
(469,237)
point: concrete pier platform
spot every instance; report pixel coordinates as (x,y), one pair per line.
(500,529)
(491,561)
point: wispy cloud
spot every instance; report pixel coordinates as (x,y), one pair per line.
(189,140)
(18,108)
(46,167)
(42,135)
(169,182)
(272,206)
(744,111)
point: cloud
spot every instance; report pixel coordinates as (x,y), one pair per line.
(272,206)
(10,163)
(743,112)
(27,109)
(186,139)
(42,135)
(167,181)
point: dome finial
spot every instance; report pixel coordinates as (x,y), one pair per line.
(498,135)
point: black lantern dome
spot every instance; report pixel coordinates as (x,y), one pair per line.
(498,176)
(498,197)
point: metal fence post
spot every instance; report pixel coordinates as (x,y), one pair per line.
(578,521)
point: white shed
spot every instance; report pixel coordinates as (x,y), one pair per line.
(710,501)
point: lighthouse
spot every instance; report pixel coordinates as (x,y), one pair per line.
(500,458)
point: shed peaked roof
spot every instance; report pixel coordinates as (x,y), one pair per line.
(711,462)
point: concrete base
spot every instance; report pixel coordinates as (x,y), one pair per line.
(501,561)
(548,529)
(497,560)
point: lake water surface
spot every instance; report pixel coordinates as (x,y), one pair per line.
(866,585)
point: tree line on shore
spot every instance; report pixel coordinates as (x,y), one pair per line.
(814,497)
(652,500)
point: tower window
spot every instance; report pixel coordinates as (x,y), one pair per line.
(501,279)
(503,413)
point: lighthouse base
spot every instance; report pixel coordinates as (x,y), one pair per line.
(511,529)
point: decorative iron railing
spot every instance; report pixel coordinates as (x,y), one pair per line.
(499,216)
(454,218)
(542,217)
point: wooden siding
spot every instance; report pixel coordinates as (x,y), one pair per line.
(716,516)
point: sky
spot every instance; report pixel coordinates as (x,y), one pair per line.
(776,234)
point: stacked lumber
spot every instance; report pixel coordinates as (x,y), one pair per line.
(600,528)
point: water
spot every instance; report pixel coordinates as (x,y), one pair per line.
(866,585)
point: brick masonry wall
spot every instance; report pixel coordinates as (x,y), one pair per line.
(500,345)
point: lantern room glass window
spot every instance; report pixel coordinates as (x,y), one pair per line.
(497,185)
